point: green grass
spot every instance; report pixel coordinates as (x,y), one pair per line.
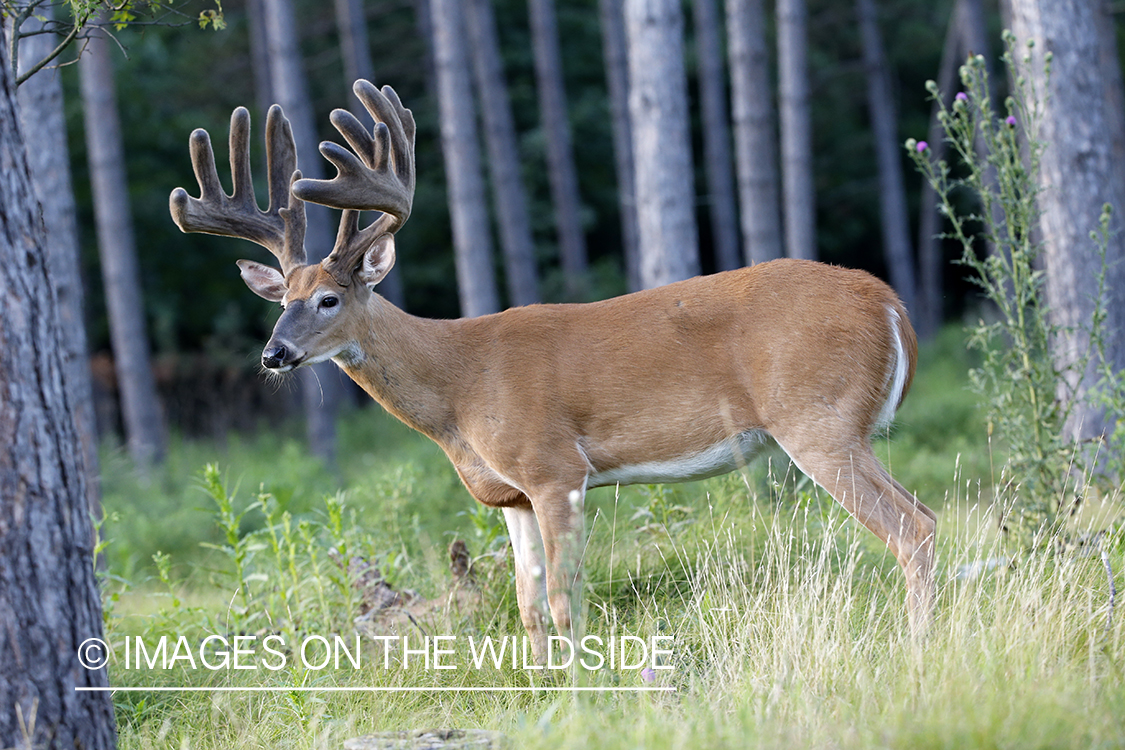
(787,616)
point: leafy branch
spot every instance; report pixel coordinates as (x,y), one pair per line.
(74,20)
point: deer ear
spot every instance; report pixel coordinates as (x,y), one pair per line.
(264,281)
(377,261)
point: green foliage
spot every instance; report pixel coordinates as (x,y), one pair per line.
(788,631)
(787,616)
(174,80)
(1027,394)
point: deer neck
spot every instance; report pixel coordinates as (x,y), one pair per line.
(409,365)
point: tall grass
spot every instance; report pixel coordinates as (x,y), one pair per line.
(788,620)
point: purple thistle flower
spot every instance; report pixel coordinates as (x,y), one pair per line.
(961,97)
(922,146)
(647,674)
(1011,121)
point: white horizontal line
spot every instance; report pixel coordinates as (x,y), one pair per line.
(179,689)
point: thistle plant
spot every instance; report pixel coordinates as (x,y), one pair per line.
(1027,394)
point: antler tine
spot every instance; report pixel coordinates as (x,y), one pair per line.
(280,229)
(376,175)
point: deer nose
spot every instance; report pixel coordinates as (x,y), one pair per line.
(275,356)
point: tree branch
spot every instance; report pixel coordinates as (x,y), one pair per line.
(50,56)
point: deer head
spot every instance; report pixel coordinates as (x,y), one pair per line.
(322,301)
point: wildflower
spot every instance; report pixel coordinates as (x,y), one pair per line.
(961,97)
(1011,121)
(922,146)
(648,674)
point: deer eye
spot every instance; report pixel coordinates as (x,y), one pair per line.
(330,301)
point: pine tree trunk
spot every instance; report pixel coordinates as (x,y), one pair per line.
(503,156)
(43,121)
(1110,64)
(321,384)
(472,240)
(560,154)
(351,23)
(49,602)
(931,264)
(140,407)
(755,138)
(259,56)
(424,22)
(1077,177)
(716,135)
(611,15)
(661,141)
(888,158)
(798,188)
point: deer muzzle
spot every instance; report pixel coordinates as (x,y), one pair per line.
(278,357)
(282,353)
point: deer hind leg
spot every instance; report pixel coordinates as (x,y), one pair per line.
(857,480)
(531,582)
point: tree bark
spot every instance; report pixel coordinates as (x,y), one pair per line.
(928,317)
(888,158)
(755,139)
(49,601)
(472,240)
(661,141)
(321,384)
(43,123)
(611,15)
(351,23)
(1110,65)
(503,156)
(716,135)
(259,56)
(561,171)
(798,188)
(1077,176)
(144,425)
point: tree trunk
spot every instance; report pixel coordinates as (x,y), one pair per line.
(351,22)
(321,384)
(503,156)
(1077,176)
(661,141)
(931,264)
(43,123)
(561,171)
(472,240)
(799,190)
(1114,89)
(755,140)
(425,27)
(144,425)
(49,603)
(611,14)
(716,135)
(259,56)
(888,158)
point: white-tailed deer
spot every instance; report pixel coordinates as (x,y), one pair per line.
(534,405)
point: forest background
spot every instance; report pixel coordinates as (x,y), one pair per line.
(830,654)
(206,331)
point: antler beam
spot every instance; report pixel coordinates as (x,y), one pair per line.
(281,228)
(376,175)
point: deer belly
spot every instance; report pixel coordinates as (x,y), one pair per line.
(719,458)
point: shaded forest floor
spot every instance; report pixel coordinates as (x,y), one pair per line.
(786,618)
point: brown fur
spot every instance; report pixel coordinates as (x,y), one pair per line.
(529,402)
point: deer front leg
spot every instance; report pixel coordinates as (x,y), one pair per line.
(531,585)
(561,524)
